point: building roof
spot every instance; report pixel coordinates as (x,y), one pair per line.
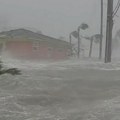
(23,33)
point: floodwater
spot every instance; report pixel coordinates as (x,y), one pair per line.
(66,90)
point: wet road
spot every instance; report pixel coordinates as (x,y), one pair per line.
(60,92)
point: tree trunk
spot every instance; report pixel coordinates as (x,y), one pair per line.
(91,45)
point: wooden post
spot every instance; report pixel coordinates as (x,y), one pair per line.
(101,31)
(108,48)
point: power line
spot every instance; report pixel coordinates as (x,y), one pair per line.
(116,8)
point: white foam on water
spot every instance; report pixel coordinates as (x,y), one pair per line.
(62,65)
(105,109)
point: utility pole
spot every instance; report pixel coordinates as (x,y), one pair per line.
(101,31)
(108,48)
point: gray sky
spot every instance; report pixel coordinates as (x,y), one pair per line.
(53,17)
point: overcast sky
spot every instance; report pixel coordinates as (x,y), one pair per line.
(53,17)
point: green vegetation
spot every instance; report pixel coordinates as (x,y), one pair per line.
(12,71)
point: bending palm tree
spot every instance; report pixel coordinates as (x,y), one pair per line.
(95,38)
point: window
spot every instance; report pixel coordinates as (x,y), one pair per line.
(50,49)
(60,50)
(36,45)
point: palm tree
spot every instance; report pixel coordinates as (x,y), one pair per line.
(91,44)
(96,39)
(75,35)
(83,26)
